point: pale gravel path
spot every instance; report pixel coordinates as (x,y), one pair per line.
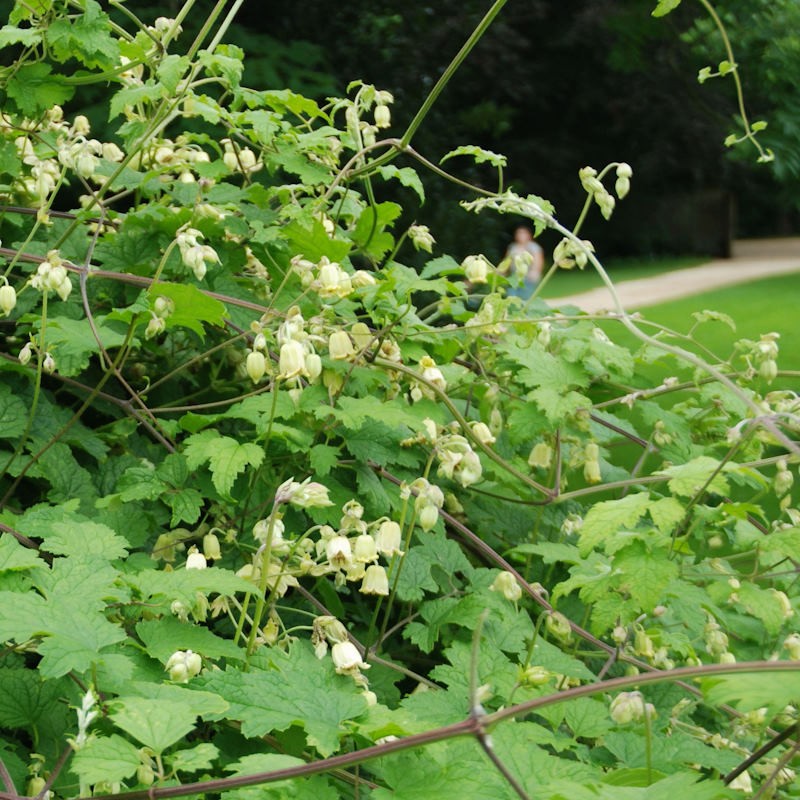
(752,259)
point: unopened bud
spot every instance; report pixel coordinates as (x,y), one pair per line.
(8,299)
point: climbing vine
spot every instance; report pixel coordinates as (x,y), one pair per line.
(292,500)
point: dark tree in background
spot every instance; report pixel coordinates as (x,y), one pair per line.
(556,86)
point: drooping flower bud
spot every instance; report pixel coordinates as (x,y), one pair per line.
(533,676)
(622,187)
(338,551)
(183,665)
(541,455)
(421,237)
(256,365)
(155,326)
(346,658)
(211,549)
(313,366)
(292,359)
(25,354)
(195,559)
(476,269)
(508,586)
(8,298)
(558,626)
(389,538)
(783,479)
(481,432)
(383,116)
(792,644)
(361,334)
(375,581)
(624,170)
(428,517)
(628,707)
(365,549)
(340,346)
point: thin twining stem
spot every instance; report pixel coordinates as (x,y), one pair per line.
(467,727)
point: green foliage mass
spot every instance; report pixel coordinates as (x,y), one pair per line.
(282,516)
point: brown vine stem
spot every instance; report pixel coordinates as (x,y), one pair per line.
(8,782)
(466,429)
(783,761)
(478,545)
(477,711)
(757,755)
(133,280)
(372,657)
(55,772)
(111,364)
(468,727)
(22,539)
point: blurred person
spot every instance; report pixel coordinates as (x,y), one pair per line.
(524,257)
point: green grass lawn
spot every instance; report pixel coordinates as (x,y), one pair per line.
(567,282)
(759,307)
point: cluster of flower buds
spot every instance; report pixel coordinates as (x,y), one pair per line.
(476,269)
(164,27)
(489,319)
(332,282)
(303,494)
(557,625)
(52,276)
(363,133)
(457,460)
(629,707)
(591,463)
(240,159)
(433,380)
(347,660)
(593,185)
(427,503)
(763,354)
(194,255)
(163,307)
(715,638)
(569,254)
(506,584)
(172,159)
(183,665)
(351,552)
(623,183)
(421,237)
(47,157)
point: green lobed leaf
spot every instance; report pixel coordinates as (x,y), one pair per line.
(193,308)
(300,690)
(154,722)
(14,557)
(227,458)
(105,758)
(608,517)
(164,636)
